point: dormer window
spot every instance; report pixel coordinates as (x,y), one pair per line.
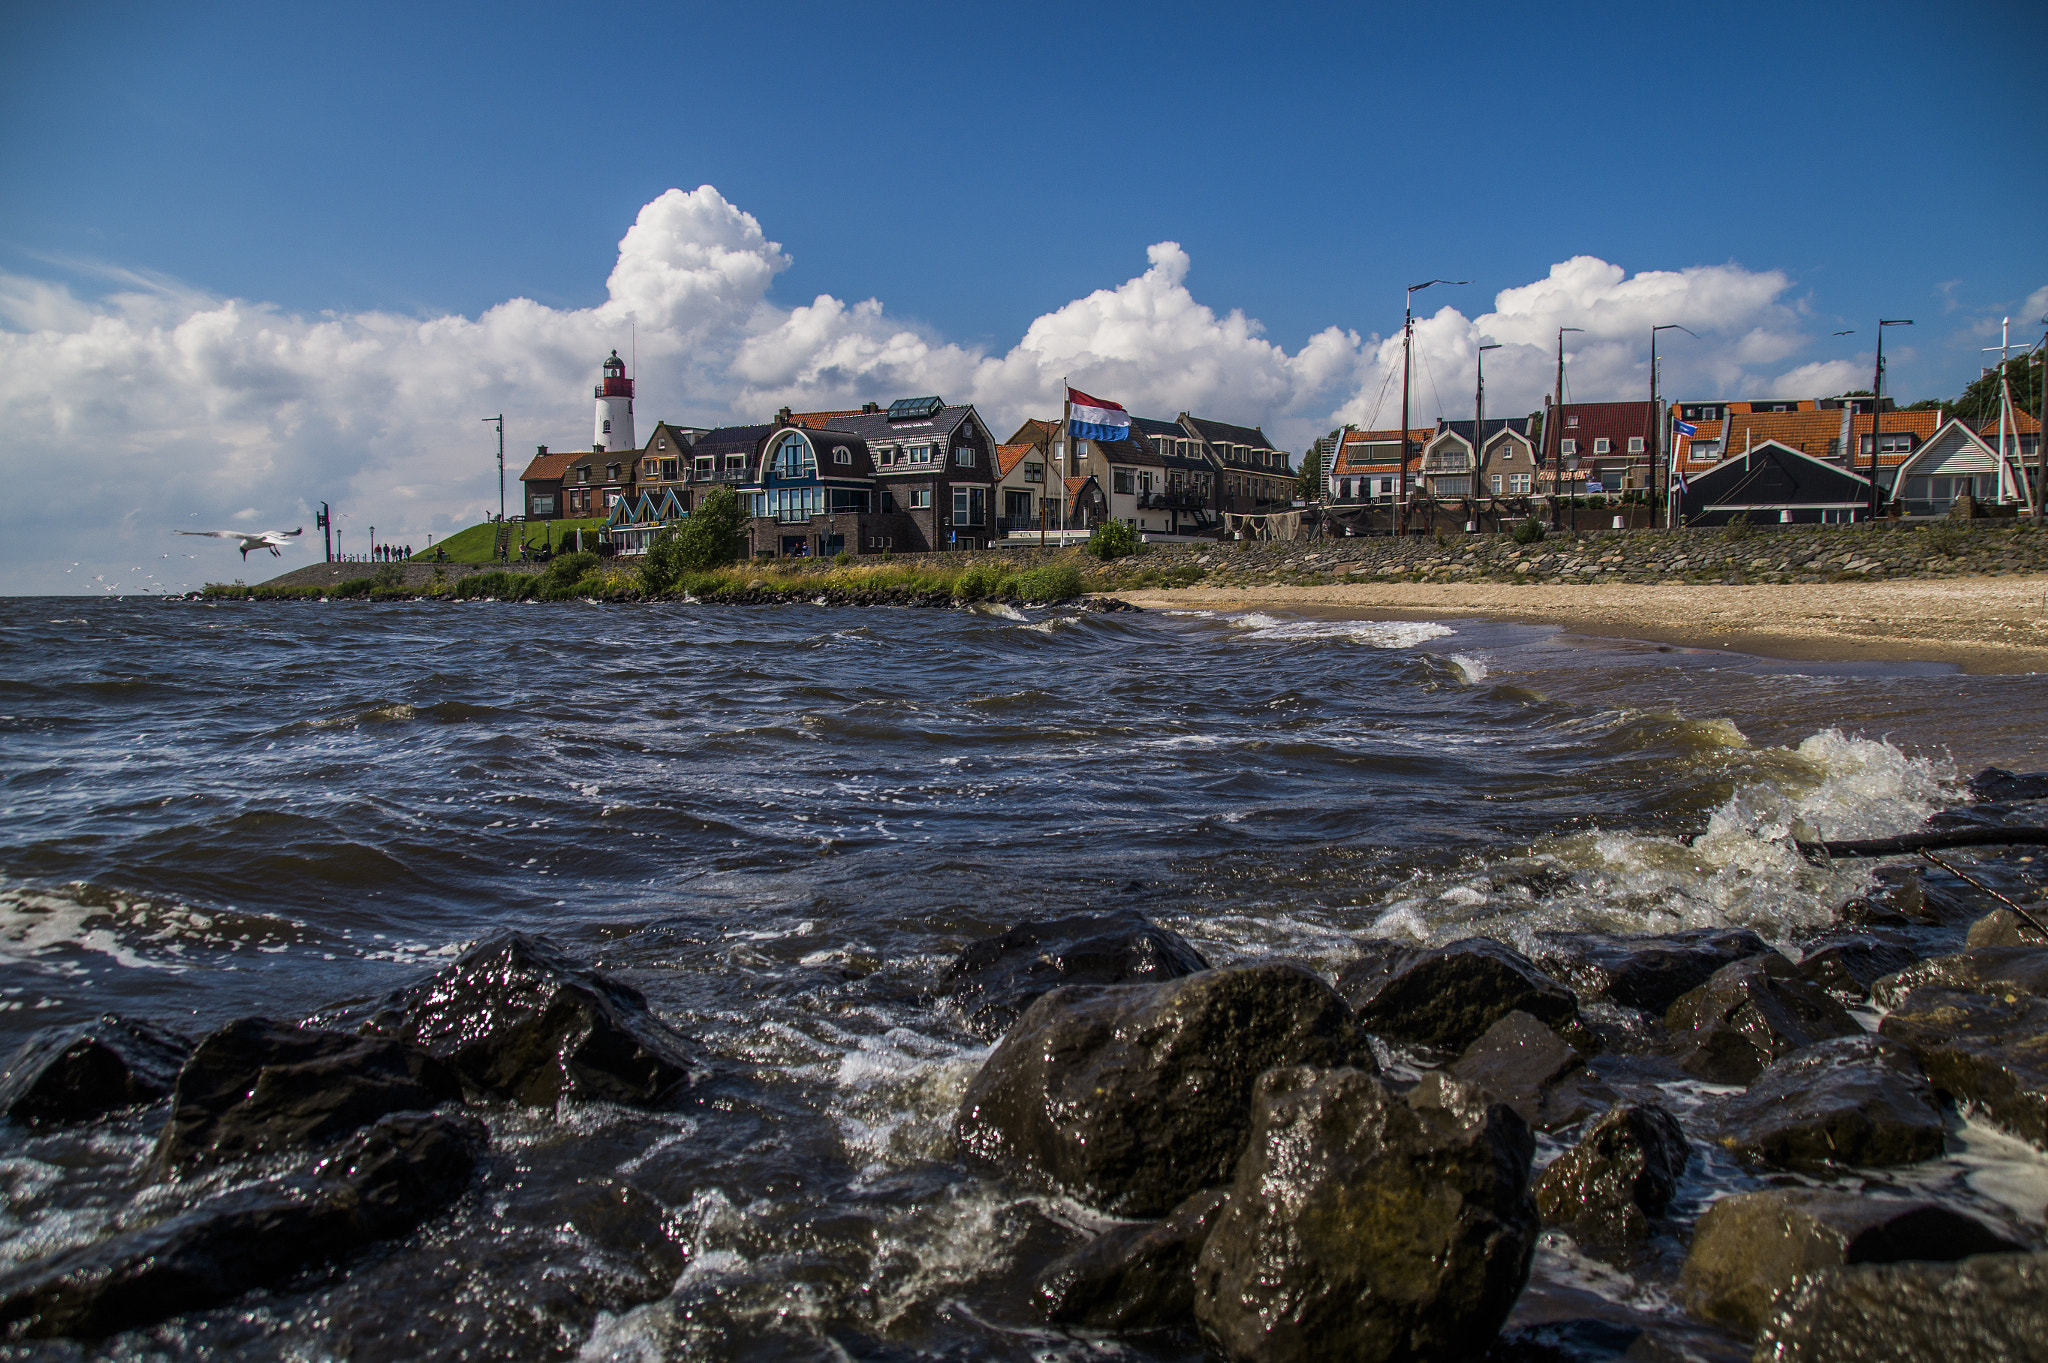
(841,455)
(1571,421)
(1601,445)
(583,473)
(1567,446)
(1635,444)
(611,473)
(793,458)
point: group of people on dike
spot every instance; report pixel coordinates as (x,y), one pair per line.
(391,553)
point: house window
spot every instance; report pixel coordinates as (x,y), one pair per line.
(964,457)
(1120,480)
(920,497)
(841,455)
(1635,444)
(968,505)
(1602,445)
(735,461)
(1496,485)
(583,473)
(1902,443)
(1518,484)
(1571,421)
(660,444)
(1569,446)
(1145,481)
(920,454)
(1704,449)
(647,467)
(793,458)
(704,464)
(543,504)
(1034,473)
(668,470)
(607,428)
(611,473)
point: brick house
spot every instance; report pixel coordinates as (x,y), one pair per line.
(1600,447)
(934,465)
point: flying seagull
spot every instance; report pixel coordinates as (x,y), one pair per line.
(260,539)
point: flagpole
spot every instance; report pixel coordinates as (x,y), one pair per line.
(1066,442)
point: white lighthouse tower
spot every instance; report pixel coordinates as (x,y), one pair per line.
(614,430)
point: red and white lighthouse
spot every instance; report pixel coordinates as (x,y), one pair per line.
(614,429)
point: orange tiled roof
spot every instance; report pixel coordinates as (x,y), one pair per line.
(552,465)
(1354,456)
(1009,456)
(818,421)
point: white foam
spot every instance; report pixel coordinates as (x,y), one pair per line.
(1375,633)
(1471,669)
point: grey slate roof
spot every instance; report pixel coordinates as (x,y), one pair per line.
(877,429)
(1223,433)
(1494,426)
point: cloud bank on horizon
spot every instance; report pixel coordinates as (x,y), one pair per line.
(157,407)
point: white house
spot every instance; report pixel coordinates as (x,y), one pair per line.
(1953,461)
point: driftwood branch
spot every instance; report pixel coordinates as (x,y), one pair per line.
(1926,840)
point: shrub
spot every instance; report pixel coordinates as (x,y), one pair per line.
(977,583)
(357,586)
(501,585)
(1049,582)
(1946,537)
(1738,527)
(658,568)
(1113,539)
(1528,530)
(842,558)
(388,576)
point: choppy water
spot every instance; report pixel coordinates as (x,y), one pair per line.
(780,823)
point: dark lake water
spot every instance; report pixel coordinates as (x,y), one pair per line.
(780,824)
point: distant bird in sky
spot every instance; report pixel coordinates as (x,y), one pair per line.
(251,539)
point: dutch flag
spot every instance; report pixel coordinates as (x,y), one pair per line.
(1685,428)
(1094,419)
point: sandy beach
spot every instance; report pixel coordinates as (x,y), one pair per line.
(1984,625)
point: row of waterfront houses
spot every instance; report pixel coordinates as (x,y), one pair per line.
(920,475)
(1780,460)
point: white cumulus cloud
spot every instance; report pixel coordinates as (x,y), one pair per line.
(154,407)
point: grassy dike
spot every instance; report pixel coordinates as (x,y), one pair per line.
(932,579)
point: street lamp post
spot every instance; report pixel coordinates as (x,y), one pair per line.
(1877,404)
(1479,432)
(1658,425)
(1407,341)
(1557,420)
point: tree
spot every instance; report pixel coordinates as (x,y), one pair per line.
(1112,539)
(713,536)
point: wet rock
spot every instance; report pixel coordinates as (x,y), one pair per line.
(1751,1013)
(1447,997)
(1619,1177)
(1533,1070)
(1649,973)
(1135,1277)
(256,1085)
(2004,928)
(1991,1307)
(1136,1096)
(1852,1100)
(384,1182)
(2015,970)
(1365,1226)
(1749,1248)
(72,1074)
(1847,964)
(1996,783)
(995,979)
(521,1019)
(1989,1052)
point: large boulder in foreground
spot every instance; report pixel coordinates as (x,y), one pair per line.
(1847,964)
(1991,1307)
(256,1085)
(1448,996)
(1365,1226)
(1852,1100)
(519,1018)
(1520,1062)
(1649,973)
(72,1074)
(995,979)
(1987,1051)
(1133,1097)
(1751,1247)
(1133,1278)
(1619,1177)
(1750,1014)
(2004,928)
(390,1177)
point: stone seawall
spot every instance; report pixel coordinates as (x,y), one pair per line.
(413,574)
(1790,554)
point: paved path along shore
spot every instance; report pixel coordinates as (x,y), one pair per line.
(1980,624)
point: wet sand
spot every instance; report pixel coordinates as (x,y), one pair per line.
(1983,625)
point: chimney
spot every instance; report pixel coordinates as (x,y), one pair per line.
(782,417)
(870,408)
(543,449)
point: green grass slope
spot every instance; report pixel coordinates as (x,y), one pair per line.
(474,544)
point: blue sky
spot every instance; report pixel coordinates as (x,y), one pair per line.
(977,169)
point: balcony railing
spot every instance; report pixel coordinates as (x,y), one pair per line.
(1173,501)
(721,476)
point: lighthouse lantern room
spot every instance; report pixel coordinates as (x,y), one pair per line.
(614,409)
